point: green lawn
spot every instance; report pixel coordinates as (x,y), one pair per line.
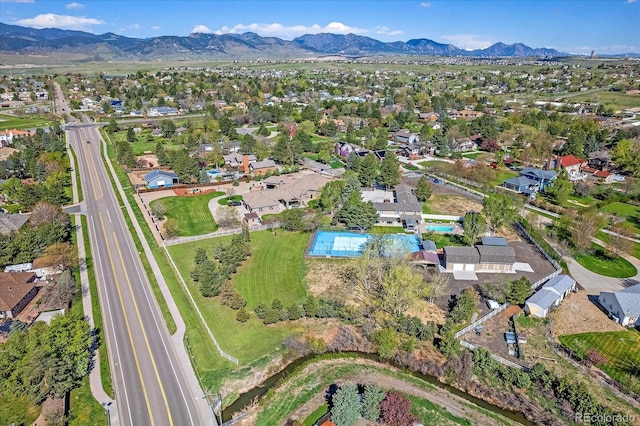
(275,269)
(9,122)
(225,201)
(472,155)
(336,164)
(316,415)
(502,176)
(620,348)
(17,410)
(143,144)
(383,230)
(621,209)
(602,236)
(601,264)
(191,213)
(443,240)
(84,409)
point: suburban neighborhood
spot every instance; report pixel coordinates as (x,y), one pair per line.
(455,238)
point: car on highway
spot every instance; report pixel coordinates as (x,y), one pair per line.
(88,141)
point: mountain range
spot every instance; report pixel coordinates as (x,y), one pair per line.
(24,40)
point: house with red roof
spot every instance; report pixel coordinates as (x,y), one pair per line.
(570,164)
(6,136)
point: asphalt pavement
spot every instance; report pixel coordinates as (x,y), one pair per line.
(150,380)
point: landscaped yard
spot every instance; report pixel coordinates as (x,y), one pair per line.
(274,269)
(602,264)
(17,410)
(621,350)
(225,201)
(191,213)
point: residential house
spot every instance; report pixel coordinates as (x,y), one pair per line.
(6,136)
(549,296)
(259,168)
(11,222)
(570,164)
(285,192)
(160,179)
(345,149)
(406,137)
(465,114)
(462,144)
(204,149)
(481,258)
(405,209)
(162,111)
(17,289)
(239,162)
(623,306)
(599,160)
(530,181)
(428,116)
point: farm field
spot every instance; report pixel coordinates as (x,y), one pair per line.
(275,269)
(191,213)
(621,350)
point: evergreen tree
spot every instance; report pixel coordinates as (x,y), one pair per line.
(368,170)
(356,213)
(131,136)
(346,405)
(423,189)
(389,170)
(373,396)
(518,291)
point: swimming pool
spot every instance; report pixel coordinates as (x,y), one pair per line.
(439,228)
(350,244)
(213,172)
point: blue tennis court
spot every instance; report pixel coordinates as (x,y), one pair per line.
(350,244)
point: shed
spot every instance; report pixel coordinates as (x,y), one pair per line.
(461,258)
(160,179)
(550,295)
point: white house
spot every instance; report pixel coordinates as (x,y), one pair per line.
(550,295)
(623,305)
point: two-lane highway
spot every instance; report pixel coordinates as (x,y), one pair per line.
(150,383)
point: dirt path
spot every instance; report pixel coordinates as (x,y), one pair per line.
(452,403)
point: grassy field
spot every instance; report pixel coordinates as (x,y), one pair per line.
(9,122)
(601,264)
(143,144)
(432,414)
(275,269)
(621,349)
(17,410)
(616,99)
(191,213)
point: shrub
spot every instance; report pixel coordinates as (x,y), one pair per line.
(242,315)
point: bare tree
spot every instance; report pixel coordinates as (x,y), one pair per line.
(621,241)
(586,224)
(158,209)
(61,293)
(437,286)
(228,217)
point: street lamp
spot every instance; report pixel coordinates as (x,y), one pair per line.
(106,406)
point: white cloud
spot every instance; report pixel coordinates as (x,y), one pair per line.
(156,27)
(631,1)
(469,41)
(74,5)
(202,29)
(17,1)
(288,32)
(382,30)
(130,27)
(425,4)
(51,20)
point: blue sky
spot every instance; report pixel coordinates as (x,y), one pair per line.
(607,26)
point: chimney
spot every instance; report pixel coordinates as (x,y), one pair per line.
(245,163)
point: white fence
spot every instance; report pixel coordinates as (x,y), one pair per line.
(443,217)
(481,320)
(496,357)
(182,240)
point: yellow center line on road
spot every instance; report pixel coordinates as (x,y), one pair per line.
(126,320)
(93,169)
(144,334)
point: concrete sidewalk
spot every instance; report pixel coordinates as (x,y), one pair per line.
(95,380)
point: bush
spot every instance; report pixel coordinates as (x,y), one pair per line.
(242,315)
(387,340)
(295,312)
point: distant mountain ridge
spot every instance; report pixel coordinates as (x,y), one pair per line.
(25,40)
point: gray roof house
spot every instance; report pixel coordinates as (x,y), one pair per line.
(550,295)
(11,222)
(623,305)
(481,258)
(461,255)
(406,210)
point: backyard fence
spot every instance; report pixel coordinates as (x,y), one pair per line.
(481,320)
(496,357)
(551,260)
(195,306)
